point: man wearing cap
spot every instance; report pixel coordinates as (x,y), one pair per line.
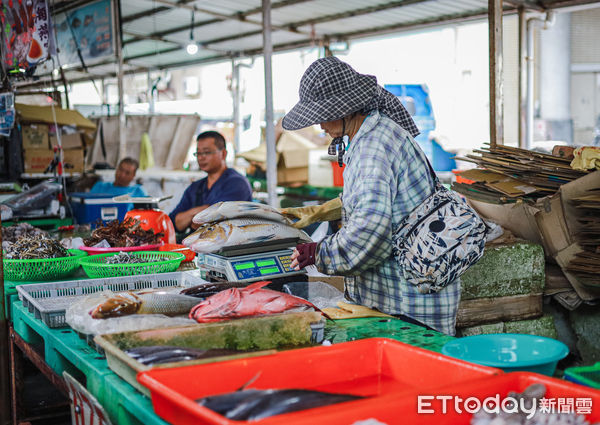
(386,177)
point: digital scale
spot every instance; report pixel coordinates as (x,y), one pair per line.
(249,263)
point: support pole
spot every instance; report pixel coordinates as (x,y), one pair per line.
(269,126)
(496,101)
(235,93)
(5,400)
(119,52)
(522,79)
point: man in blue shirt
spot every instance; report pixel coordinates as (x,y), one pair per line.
(124,175)
(221,184)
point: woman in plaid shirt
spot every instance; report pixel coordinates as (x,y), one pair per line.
(385,178)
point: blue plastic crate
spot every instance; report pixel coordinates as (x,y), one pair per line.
(88,208)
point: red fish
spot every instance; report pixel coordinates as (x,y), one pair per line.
(252,300)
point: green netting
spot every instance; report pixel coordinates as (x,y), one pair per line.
(47,269)
(585,375)
(155,262)
(378,327)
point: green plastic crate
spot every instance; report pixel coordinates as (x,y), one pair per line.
(95,266)
(47,269)
(584,375)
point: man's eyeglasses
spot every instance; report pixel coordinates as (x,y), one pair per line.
(205,153)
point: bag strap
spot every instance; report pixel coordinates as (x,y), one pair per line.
(431,171)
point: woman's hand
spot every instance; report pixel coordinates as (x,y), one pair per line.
(303,255)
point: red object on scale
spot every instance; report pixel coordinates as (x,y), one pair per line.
(156,220)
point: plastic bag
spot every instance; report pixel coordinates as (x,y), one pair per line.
(39,196)
(78,317)
(321,294)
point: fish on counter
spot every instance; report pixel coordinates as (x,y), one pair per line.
(248,405)
(212,237)
(205,290)
(155,302)
(159,354)
(237,209)
(252,300)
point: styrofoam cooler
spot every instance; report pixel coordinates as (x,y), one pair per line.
(91,207)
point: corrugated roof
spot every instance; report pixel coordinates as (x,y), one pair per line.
(155,32)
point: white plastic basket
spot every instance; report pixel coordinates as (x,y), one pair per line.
(49,301)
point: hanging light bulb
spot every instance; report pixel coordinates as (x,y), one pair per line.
(192,47)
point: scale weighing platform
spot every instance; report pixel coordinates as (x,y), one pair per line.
(250,263)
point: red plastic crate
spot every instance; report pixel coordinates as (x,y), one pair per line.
(379,368)
(489,387)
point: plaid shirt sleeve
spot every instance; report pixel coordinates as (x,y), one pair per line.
(365,239)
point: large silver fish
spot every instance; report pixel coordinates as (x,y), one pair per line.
(155,302)
(212,237)
(237,209)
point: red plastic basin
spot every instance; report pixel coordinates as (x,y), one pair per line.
(381,369)
(431,408)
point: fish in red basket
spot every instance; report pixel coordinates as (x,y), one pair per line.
(252,300)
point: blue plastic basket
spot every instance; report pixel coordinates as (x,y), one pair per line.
(509,352)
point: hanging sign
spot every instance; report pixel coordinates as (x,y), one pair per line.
(87,31)
(26,34)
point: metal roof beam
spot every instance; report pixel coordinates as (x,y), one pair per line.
(242,15)
(235,17)
(357,12)
(555,4)
(152,12)
(527,4)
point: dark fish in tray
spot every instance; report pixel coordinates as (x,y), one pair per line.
(248,405)
(168,354)
(205,290)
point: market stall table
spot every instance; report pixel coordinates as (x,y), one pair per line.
(62,350)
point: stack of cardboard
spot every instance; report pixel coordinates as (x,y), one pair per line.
(39,128)
(585,264)
(293,156)
(540,198)
(512,173)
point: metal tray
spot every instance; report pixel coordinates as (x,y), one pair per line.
(49,301)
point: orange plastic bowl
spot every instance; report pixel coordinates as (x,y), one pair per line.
(189,254)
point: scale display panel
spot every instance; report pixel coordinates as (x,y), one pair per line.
(263,266)
(250,267)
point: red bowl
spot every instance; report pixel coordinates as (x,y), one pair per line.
(189,254)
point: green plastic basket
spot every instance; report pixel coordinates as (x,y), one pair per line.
(95,265)
(47,269)
(584,375)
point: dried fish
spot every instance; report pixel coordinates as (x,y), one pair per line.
(35,247)
(124,258)
(14,232)
(121,234)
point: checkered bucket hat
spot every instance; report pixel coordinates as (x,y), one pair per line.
(330,89)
